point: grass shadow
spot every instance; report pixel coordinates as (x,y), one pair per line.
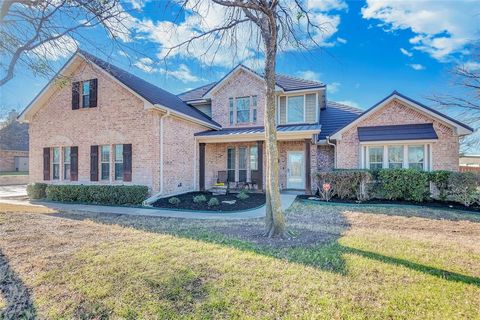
(19,302)
(440,273)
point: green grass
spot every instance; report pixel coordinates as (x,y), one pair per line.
(378,266)
(13,173)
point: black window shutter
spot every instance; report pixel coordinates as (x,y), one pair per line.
(46,163)
(94,163)
(93,93)
(75,95)
(127,162)
(74,163)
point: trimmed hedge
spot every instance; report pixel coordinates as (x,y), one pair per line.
(36,190)
(400,184)
(103,194)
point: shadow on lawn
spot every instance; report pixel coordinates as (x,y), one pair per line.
(19,303)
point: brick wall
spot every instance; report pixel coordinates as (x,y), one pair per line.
(444,151)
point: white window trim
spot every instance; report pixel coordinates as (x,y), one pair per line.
(286,108)
(109,163)
(427,149)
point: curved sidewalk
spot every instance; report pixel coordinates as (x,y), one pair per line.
(287,200)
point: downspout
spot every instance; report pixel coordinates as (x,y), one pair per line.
(334,151)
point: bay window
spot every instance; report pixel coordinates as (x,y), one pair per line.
(296,109)
(396,156)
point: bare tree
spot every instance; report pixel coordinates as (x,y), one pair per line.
(272,24)
(35,32)
(467,104)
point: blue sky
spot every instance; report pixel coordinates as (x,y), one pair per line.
(369,49)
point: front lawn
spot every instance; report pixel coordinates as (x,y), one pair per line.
(373,263)
(13,173)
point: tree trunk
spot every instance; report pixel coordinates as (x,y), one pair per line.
(275,220)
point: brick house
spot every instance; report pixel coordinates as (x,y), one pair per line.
(14,145)
(107,126)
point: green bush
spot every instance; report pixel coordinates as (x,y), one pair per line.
(404,184)
(98,194)
(199,199)
(36,190)
(174,201)
(345,184)
(213,202)
(463,187)
(243,195)
(440,179)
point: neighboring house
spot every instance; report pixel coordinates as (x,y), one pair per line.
(14,146)
(107,126)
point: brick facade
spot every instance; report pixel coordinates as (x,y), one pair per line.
(444,151)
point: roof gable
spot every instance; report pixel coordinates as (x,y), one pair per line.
(462,128)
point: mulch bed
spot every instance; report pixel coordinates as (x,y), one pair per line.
(186,202)
(434,204)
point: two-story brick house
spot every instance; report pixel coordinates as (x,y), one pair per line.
(107,126)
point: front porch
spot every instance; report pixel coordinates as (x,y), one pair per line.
(241,164)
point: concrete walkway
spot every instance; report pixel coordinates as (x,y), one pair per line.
(287,200)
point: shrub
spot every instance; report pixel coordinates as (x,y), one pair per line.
(36,190)
(345,184)
(404,184)
(199,199)
(463,187)
(104,194)
(440,179)
(243,195)
(213,202)
(174,201)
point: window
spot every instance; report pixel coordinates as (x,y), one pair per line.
(231,164)
(105,162)
(119,162)
(416,157)
(395,157)
(85,94)
(375,158)
(56,163)
(253,158)
(243,110)
(254,112)
(230,102)
(66,163)
(295,109)
(242,164)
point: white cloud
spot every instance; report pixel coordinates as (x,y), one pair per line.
(471,65)
(183,73)
(137,4)
(341,40)
(350,103)
(441,28)
(227,51)
(309,75)
(333,87)
(406,52)
(57,49)
(416,66)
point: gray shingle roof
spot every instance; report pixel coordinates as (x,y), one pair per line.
(250,130)
(287,83)
(14,136)
(336,116)
(397,132)
(148,91)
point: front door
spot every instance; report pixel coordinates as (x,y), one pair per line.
(296,170)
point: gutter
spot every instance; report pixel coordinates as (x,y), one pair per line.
(182,115)
(327,139)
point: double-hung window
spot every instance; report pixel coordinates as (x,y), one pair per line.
(119,162)
(66,163)
(296,109)
(375,158)
(231,164)
(395,157)
(56,164)
(416,157)
(230,111)
(254,111)
(86,94)
(105,162)
(242,164)
(253,158)
(243,110)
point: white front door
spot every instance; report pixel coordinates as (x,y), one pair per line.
(296,170)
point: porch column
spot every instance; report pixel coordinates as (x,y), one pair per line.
(308,179)
(202,166)
(260,164)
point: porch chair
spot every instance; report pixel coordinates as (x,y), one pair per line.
(222,177)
